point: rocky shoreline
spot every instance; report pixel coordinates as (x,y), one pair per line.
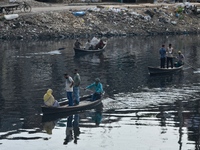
(102,20)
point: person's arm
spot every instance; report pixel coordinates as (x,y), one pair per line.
(79,80)
(72,84)
(90,86)
(72,81)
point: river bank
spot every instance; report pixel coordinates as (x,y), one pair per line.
(46,22)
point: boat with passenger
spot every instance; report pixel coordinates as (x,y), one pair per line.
(84,104)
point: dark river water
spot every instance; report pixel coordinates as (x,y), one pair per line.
(140,111)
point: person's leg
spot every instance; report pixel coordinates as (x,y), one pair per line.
(171,61)
(56,104)
(70,98)
(96,96)
(93,97)
(168,59)
(162,63)
(76,95)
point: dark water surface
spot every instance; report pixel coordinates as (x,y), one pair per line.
(140,112)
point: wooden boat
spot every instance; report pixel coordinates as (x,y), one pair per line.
(84,104)
(158,70)
(56,116)
(84,51)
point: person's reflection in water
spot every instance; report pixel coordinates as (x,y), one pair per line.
(68,131)
(98,114)
(49,126)
(72,125)
(180,118)
(193,125)
(162,116)
(76,127)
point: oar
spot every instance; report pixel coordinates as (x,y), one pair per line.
(191,66)
(62,48)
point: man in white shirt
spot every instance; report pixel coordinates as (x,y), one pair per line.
(69,88)
(87,45)
(170,56)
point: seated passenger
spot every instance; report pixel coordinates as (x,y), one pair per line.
(49,99)
(180,59)
(100,45)
(88,45)
(77,44)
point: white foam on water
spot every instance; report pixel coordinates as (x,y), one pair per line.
(197,71)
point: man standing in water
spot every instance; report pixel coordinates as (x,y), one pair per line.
(69,88)
(162,52)
(77,81)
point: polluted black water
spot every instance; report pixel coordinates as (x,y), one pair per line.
(139,111)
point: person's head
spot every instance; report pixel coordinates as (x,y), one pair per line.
(97,80)
(66,75)
(163,45)
(75,71)
(49,91)
(179,52)
(170,45)
(47,94)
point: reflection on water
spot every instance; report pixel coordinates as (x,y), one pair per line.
(72,127)
(71,121)
(137,105)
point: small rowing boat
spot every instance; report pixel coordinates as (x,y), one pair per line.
(158,70)
(85,51)
(84,104)
(54,117)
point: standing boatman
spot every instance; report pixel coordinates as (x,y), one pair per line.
(162,52)
(170,56)
(69,88)
(76,90)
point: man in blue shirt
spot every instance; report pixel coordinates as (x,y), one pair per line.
(98,89)
(162,52)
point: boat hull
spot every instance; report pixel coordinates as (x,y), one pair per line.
(158,70)
(64,108)
(84,51)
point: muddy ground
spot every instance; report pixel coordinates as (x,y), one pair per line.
(50,21)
